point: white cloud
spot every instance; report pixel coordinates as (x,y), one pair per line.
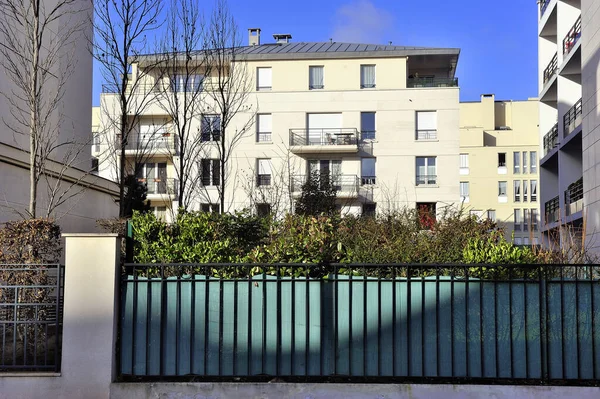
(361,21)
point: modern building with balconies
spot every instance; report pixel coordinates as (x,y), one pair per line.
(568,77)
(381,121)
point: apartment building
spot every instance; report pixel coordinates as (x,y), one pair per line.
(380,120)
(568,76)
(499,174)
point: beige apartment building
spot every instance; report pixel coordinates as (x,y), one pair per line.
(499,142)
(569,65)
(382,121)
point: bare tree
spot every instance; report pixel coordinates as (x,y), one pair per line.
(184,65)
(230,88)
(37,48)
(121,29)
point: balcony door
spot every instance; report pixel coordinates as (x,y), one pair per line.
(326,168)
(155,177)
(323,129)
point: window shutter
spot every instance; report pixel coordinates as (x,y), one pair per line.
(264,78)
(426,120)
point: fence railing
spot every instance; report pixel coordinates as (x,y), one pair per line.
(572,37)
(552,210)
(263,180)
(431,82)
(573,118)
(360,323)
(426,180)
(31,317)
(167,186)
(574,197)
(367,134)
(551,69)
(340,136)
(343,184)
(145,144)
(426,135)
(263,137)
(551,140)
(543,6)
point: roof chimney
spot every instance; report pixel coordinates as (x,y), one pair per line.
(282,38)
(254,37)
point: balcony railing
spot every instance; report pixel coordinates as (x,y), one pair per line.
(551,210)
(544,6)
(551,140)
(263,137)
(147,144)
(338,136)
(343,184)
(426,135)
(551,69)
(263,180)
(368,180)
(426,180)
(431,82)
(574,197)
(367,135)
(573,118)
(158,88)
(166,186)
(572,37)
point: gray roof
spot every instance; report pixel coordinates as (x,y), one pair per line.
(338,50)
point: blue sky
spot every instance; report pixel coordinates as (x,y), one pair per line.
(498,40)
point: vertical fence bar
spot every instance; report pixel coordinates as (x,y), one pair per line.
(264,321)
(192,322)
(481,337)
(15,321)
(467,338)
(364,318)
(148,321)
(293,327)
(437,320)
(206,310)
(249,350)
(220,326)
(452,341)
(350,336)
(562,323)
(234,371)
(547,327)
(335,324)
(59,295)
(422,324)
(408,319)
(278,352)
(510,323)
(394,354)
(593,327)
(177,322)
(379,324)
(577,308)
(525,303)
(496,351)
(307,328)
(134,324)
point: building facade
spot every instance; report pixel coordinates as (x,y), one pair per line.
(499,175)
(381,121)
(568,76)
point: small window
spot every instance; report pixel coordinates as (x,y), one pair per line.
(264,79)
(464,161)
(94,165)
(367,125)
(210,170)
(501,159)
(263,210)
(491,215)
(316,78)
(367,76)
(525,190)
(516,163)
(526,219)
(426,171)
(426,125)
(264,128)
(369,210)
(501,189)
(533,161)
(533,190)
(517,184)
(525,162)
(464,191)
(517,220)
(214,208)
(264,172)
(367,171)
(187,83)
(534,219)
(518,241)
(210,128)
(96,142)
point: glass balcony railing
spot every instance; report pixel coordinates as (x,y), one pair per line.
(574,197)
(325,137)
(431,82)
(343,184)
(551,210)
(161,186)
(147,144)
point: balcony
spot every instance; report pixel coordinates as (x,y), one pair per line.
(574,198)
(426,180)
(552,211)
(551,69)
(426,135)
(161,188)
(544,6)
(551,140)
(412,83)
(573,118)
(368,180)
(346,186)
(572,37)
(161,143)
(338,140)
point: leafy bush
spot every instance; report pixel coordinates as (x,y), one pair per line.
(317,196)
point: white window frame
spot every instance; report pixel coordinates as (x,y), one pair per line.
(427,179)
(363,83)
(491,215)
(464,188)
(525,162)
(525,190)
(533,191)
(533,162)
(518,221)
(426,123)
(264,135)
(464,164)
(502,194)
(211,172)
(516,162)
(316,85)
(517,190)
(264,171)
(502,169)
(266,82)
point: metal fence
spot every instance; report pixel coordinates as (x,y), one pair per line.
(359,323)
(31,317)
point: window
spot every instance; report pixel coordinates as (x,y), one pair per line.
(368,210)
(96,142)
(491,214)
(367,76)
(464,191)
(263,210)
(264,79)
(426,171)
(501,189)
(525,162)
(533,161)
(210,170)
(517,184)
(518,221)
(94,165)
(367,171)
(315,78)
(264,128)
(367,125)
(517,163)
(533,190)
(534,219)
(464,164)
(526,219)
(187,83)
(264,172)
(426,211)
(214,208)
(154,175)
(426,125)
(518,241)
(525,190)
(210,127)
(525,240)
(502,160)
